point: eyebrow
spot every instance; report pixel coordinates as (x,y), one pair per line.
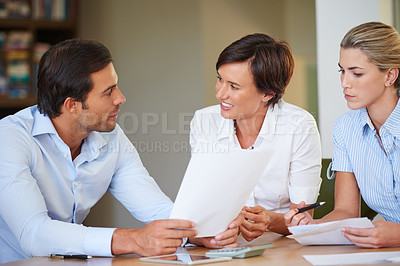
(110,88)
(228,80)
(351,68)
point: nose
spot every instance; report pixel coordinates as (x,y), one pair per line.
(222,90)
(119,97)
(344,79)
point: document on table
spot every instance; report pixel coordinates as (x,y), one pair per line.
(353,258)
(216,186)
(327,233)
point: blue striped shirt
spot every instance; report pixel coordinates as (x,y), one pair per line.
(375,162)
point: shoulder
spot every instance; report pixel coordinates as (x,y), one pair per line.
(292,111)
(348,120)
(18,124)
(293,118)
(16,132)
(210,113)
(213,109)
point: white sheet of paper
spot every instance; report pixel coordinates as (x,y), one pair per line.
(327,233)
(216,186)
(354,258)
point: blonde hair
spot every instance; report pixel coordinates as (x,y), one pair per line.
(379,42)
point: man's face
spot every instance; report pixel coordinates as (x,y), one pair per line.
(101,107)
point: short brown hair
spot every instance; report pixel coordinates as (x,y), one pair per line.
(271,62)
(64,71)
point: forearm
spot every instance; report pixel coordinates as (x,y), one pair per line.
(337,214)
(51,236)
(277,223)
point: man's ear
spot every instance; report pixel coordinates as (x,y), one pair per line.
(70,105)
(392,75)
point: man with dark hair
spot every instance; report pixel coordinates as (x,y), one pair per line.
(59,158)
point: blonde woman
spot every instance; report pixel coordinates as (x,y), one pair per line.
(366,160)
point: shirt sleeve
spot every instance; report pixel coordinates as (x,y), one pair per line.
(23,208)
(135,188)
(195,131)
(305,164)
(340,160)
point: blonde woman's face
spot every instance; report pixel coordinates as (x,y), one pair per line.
(362,82)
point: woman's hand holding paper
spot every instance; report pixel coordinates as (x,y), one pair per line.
(384,234)
(226,239)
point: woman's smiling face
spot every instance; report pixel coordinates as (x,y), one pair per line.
(239,96)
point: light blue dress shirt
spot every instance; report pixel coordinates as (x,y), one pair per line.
(45,196)
(375,162)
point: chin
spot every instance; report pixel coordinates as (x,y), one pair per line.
(226,115)
(107,128)
(354,106)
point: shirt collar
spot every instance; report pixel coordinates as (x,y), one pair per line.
(392,124)
(365,121)
(92,144)
(42,124)
(227,129)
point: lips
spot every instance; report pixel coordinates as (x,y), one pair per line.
(115,115)
(348,97)
(226,106)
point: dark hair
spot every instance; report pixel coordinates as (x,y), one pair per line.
(64,71)
(271,62)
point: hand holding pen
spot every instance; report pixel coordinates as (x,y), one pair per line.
(310,207)
(300,216)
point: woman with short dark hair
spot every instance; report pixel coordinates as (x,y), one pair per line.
(253,73)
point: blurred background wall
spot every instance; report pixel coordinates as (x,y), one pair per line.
(165,53)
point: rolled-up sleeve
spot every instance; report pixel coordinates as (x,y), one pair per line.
(305,165)
(340,160)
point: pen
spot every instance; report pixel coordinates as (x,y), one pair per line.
(63,256)
(312,206)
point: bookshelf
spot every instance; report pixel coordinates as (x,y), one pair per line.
(27,29)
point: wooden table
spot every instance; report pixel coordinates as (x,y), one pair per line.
(285,252)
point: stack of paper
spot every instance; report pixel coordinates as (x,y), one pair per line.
(327,233)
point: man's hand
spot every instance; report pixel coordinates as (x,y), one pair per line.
(157,238)
(384,234)
(226,239)
(293,218)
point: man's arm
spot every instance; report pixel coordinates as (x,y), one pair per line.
(24,209)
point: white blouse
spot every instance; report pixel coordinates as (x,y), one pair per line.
(293,173)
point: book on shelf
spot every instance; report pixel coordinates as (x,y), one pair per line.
(58,10)
(15,9)
(3,76)
(17,63)
(38,50)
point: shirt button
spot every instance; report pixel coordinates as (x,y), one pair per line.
(65,155)
(76,184)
